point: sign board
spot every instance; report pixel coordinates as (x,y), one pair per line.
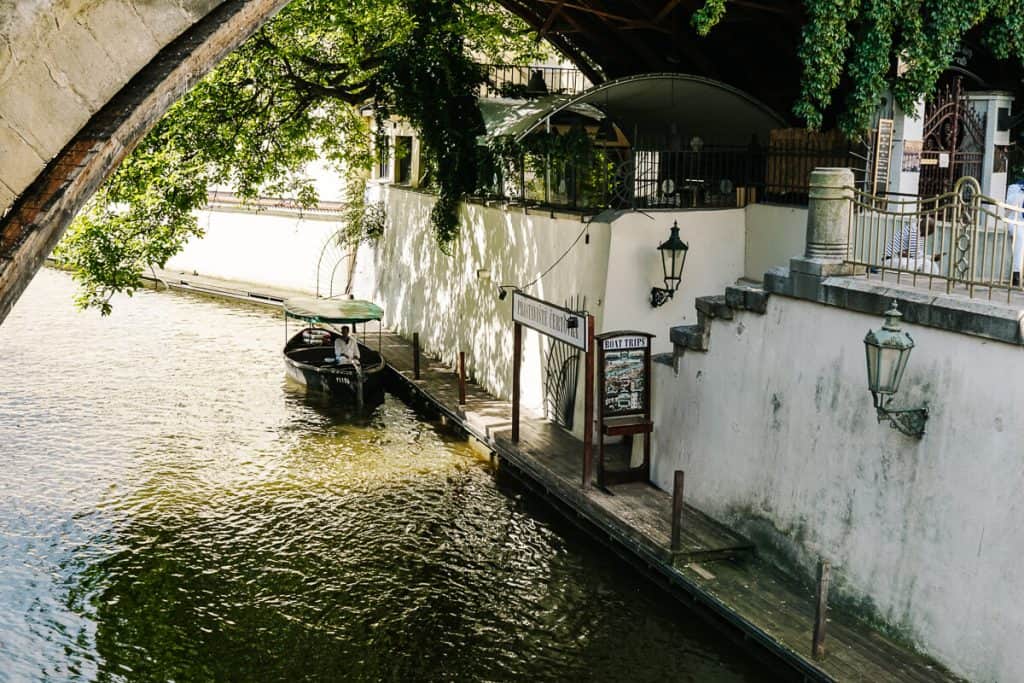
(555,321)
(883,155)
(625,374)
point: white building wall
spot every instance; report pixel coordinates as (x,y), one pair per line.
(266,248)
(774,234)
(452,300)
(775,429)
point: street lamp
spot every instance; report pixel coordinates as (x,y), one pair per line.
(673,256)
(888,350)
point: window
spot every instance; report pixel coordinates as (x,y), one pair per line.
(403,159)
(382,157)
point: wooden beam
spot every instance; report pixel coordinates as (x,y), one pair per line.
(550,20)
(666,9)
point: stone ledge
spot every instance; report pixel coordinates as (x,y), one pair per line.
(979,318)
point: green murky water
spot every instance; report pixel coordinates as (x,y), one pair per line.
(172,509)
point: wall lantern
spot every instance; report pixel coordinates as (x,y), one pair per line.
(673,256)
(888,350)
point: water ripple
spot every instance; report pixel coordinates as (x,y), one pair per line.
(171,509)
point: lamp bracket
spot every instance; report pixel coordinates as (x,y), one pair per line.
(908,421)
(660,295)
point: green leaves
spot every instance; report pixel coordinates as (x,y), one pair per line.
(857,45)
(288,96)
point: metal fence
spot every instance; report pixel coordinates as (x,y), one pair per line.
(511,80)
(961,241)
(711,176)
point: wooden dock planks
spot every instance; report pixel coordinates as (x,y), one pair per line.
(769,606)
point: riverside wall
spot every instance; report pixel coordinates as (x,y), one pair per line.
(776,431)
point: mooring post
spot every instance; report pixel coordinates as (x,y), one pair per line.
(462,378)
(820,609)
(415,355)
(677,511)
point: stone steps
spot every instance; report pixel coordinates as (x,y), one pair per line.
(740,297)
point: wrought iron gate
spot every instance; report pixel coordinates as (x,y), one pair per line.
(561,374)
(954,141)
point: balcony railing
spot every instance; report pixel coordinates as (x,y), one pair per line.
(713,176)
(511,80)
(960,241)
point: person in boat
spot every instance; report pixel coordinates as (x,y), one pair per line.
(346,350)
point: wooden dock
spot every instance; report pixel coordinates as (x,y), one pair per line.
(716,570)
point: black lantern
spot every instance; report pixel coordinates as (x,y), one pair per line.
(673,257)
(887,351)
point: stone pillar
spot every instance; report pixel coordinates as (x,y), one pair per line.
(828,230)
(828,213)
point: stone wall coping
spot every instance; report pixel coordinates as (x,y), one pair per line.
(995,320)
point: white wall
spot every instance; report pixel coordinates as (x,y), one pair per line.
(714,261)
(775,429)
(775,234)
(446,301)
(267,248)
(453,308)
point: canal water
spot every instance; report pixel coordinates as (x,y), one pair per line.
(172,509)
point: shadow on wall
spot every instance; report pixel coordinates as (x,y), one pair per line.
(452,301)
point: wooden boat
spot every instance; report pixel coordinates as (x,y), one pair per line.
(309,354)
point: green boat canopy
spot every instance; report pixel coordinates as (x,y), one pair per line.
(332,310)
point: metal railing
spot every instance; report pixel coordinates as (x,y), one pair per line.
(711,176)
(961,241)
(512,80)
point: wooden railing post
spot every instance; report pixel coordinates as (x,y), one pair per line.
(588,405)
(517,343)
(462,378)
(415,355)
(820,609)
(677,511)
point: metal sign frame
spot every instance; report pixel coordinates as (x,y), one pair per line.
(631,420)
(554,321)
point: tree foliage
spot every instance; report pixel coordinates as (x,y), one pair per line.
(902,45)
(288,96)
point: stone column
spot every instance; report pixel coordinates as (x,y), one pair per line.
(828,213)
(828,226)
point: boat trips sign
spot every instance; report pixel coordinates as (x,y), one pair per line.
(554,321)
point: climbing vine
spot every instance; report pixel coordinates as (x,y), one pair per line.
(875,45)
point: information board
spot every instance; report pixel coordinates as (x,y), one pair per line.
(883,155)
(624,375)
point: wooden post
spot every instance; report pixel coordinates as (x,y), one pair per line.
(462,378)
(820,608)
(677,511)
(517,352)
(588,405)
(415,355)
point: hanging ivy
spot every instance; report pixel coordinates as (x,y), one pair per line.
(875,45)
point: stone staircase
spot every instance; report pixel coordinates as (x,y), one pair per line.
(738,297)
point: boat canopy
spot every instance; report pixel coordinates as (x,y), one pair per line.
(332,310)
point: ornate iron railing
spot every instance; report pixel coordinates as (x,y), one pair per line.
(961,241)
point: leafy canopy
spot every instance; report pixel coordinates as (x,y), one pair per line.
(290,95)
(864,40)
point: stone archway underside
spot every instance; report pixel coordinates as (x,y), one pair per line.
(35,222)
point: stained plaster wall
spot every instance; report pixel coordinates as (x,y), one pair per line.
(61,61)
(776,432)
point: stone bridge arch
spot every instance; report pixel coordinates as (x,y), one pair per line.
(81,82)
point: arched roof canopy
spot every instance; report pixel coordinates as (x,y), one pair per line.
(651,108)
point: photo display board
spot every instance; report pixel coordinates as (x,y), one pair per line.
(625,374)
